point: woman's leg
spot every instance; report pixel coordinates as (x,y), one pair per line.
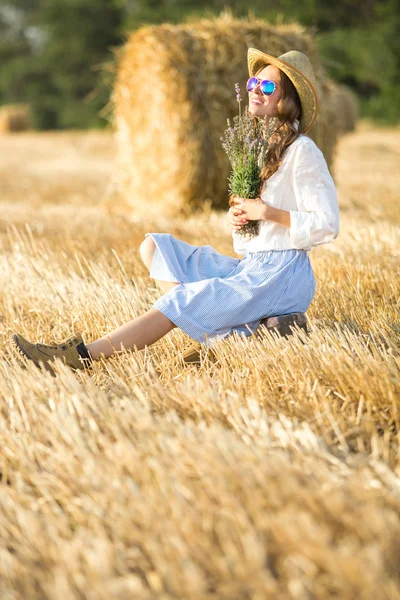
(138,333)
(146,249)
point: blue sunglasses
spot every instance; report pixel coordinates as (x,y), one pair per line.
(267,87)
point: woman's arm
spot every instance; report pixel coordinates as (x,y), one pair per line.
(278,215)
(317,219)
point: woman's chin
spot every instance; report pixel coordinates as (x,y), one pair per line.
(256,111)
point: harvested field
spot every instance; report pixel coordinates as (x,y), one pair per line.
(273,473)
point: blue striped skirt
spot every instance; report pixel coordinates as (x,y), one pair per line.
(219,295)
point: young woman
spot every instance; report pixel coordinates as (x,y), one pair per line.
(209,295)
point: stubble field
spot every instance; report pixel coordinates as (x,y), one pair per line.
(272,473)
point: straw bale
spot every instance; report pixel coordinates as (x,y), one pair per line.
(174,91)
(340,114)
(14,117)
(325,131)
(347,108)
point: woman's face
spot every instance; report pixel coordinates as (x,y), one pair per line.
(265,106)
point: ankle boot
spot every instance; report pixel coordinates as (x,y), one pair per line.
(72,352)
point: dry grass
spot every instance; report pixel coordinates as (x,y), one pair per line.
(273,473)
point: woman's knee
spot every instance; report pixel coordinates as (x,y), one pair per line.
(146,250)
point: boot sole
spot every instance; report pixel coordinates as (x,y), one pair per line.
(26,354)
(192,355)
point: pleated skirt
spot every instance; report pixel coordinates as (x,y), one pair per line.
(218,295)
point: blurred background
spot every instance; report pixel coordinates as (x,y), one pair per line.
(57,56)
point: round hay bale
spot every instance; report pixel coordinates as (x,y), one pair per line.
(174,91)
(347,108)
(340,114)
(326,129)
(14,117)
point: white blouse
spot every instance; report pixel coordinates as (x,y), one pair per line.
(303,186)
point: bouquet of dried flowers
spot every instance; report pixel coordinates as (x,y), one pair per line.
(246,144)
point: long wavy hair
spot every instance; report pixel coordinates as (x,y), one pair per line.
(288,109)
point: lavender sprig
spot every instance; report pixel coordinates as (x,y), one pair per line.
(238,97)
(246,145)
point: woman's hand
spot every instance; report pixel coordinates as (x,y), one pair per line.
(248,209)
(251,209)
(235,220)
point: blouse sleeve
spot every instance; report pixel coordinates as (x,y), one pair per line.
(317,219)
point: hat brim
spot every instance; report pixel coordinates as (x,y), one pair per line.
(305,88)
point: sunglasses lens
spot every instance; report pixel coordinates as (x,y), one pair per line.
(267,87)
(251,84)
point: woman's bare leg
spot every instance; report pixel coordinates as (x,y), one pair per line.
(135,334)
(146,249)
(142,331)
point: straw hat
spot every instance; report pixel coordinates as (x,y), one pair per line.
(300,72)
